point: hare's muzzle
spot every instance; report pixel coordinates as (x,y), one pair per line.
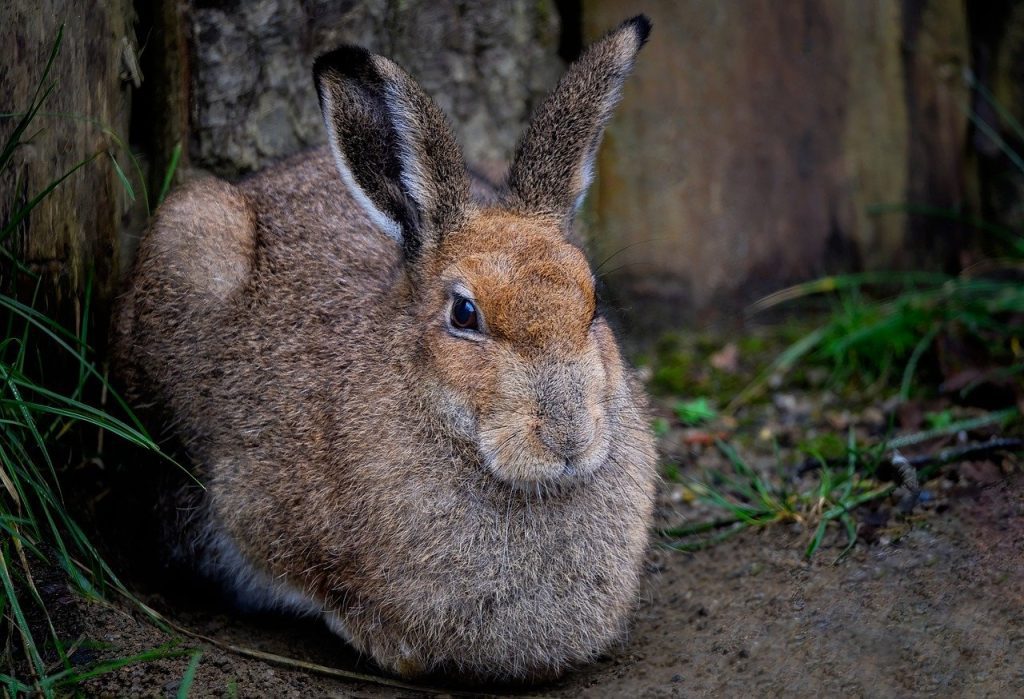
(566,425)
(552,432)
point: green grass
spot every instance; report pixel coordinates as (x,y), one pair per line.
(190,675)
(54,400)
(694,412)
(746,498)
(882,339)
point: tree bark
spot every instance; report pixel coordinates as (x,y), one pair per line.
(485,62)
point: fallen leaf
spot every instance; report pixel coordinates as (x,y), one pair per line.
(726,359)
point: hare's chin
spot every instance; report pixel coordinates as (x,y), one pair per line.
(543,474)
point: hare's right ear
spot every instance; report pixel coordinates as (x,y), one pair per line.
(393,147)
(554,162)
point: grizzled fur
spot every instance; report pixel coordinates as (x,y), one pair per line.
(470,502)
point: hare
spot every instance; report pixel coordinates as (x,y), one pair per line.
(408,412)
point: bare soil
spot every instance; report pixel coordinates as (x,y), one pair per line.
(928,603)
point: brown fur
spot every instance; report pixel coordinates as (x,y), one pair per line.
(469,503)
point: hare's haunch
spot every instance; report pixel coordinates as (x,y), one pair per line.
(408,412)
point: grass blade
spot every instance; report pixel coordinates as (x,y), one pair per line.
(190,675)
(172,167)
(121,176)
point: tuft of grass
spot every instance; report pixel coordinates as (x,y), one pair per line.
(748,499)
(45,420)
(884,339)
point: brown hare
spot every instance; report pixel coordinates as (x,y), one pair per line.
(408,412)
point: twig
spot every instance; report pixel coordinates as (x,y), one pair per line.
(284,660)
(946,456)
(997,417)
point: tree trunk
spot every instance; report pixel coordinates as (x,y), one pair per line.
(74,232)
(486,63)
(761,144)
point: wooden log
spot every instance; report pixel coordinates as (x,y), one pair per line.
(75,230)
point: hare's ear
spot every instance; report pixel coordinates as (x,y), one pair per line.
(554,161)
(393,146)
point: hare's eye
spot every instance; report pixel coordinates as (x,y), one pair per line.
(464,315)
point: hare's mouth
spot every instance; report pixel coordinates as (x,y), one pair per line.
(518,461)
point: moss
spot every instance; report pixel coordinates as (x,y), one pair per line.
(668,343)
(708,344)
(826,446)
(659,427)
(672,372)
(751,345)
(669,380)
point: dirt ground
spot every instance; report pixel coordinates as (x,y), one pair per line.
(929,603)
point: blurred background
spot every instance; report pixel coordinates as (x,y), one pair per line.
(759,144)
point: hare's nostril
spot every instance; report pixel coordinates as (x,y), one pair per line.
(566,441)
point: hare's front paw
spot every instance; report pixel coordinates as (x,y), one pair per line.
(400,659)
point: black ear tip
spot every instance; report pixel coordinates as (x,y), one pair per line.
(344,60)
(641,25)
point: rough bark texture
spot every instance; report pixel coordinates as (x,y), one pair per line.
(75,229)
(486,63)
(756,141)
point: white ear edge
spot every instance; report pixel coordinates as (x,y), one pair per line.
(586,179)
(412,175)
(385,223)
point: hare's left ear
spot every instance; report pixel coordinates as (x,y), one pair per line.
(393,147)
(554,162)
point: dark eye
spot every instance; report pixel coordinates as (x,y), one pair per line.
(464,316)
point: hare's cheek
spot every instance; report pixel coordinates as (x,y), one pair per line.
(455,412)
(606,358)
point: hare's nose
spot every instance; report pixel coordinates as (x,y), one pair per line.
(567,439)
(566,426)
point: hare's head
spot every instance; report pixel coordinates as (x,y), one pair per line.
(503,308)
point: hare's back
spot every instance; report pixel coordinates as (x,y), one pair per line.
(233,279)
(313,235)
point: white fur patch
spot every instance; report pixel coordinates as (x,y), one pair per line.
(253,588)
(586,176)
(414,179)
